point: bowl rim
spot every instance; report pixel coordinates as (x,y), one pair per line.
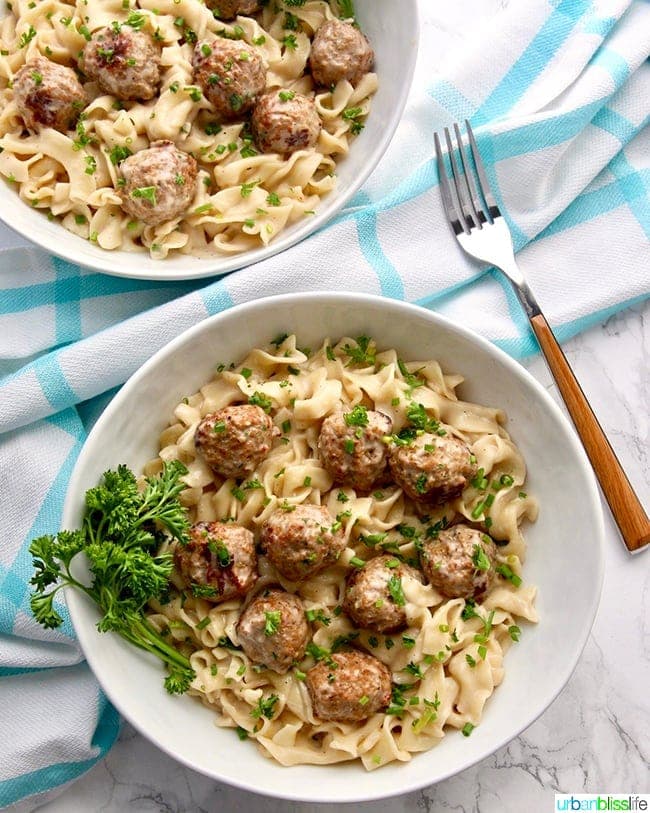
(142,267)
(87,633)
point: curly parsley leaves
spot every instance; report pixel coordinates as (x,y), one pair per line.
(121,532)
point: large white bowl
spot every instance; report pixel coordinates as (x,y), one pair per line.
(393,32)
(565,544)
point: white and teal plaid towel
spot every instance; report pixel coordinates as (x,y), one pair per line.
(559,95)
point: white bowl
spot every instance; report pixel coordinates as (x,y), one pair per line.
(394,37)
(565,556)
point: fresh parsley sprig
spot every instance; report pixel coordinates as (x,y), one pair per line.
(121,532)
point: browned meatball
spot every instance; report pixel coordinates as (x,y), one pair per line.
(301,540)
(228,9)
(230,74)
(219,561)
(460,562)
(234,440)
(159,183)
(125,63)
(358,686)
(373,594)
(273,630)
(352,449)
(339,51)
(48,95)
(432,469)
(284,121)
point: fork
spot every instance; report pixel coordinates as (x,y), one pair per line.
(483,233)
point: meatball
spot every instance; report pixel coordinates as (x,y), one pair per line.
(229,9)
(48,95)
(302,540)
(432,469)
(234,440)
(356,687)
(273,630)
(370,594)
(159,183)
(219,561)
(230,74)
(284,121)
(352,449)
(339,51)
(125,63)
(460,562)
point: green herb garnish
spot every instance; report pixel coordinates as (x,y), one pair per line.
(120,535)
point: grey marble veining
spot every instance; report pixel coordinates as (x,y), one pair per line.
(593,738)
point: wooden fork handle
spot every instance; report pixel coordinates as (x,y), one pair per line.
(626,507)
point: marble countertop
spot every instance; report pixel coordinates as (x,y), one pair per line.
(594,737)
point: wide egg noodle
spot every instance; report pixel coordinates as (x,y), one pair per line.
(460,657)
(79,183)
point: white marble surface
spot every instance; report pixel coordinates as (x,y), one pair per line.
(594,737)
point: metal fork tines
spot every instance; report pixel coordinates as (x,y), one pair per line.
(483,233)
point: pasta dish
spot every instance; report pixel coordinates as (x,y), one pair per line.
(353,576)
(177,125)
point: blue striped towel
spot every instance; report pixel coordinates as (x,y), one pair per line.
(559,93)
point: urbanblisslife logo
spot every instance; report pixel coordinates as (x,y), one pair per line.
(602,801)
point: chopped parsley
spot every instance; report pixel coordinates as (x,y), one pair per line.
(358,416)
(265,707)
(135,20)
(272,623)
(480,559)
(236,101)
(318,615)
(413,669)
(27,37)
(396,592)
(421,484)
(246,188)
(353,114)
(203,590)
(260,400)
(118,153)
(417,417)
(363,353)
(145,192)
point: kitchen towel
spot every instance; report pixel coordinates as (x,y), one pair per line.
(558,93)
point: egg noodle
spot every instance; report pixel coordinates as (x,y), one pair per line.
(448,660)
(244,198)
